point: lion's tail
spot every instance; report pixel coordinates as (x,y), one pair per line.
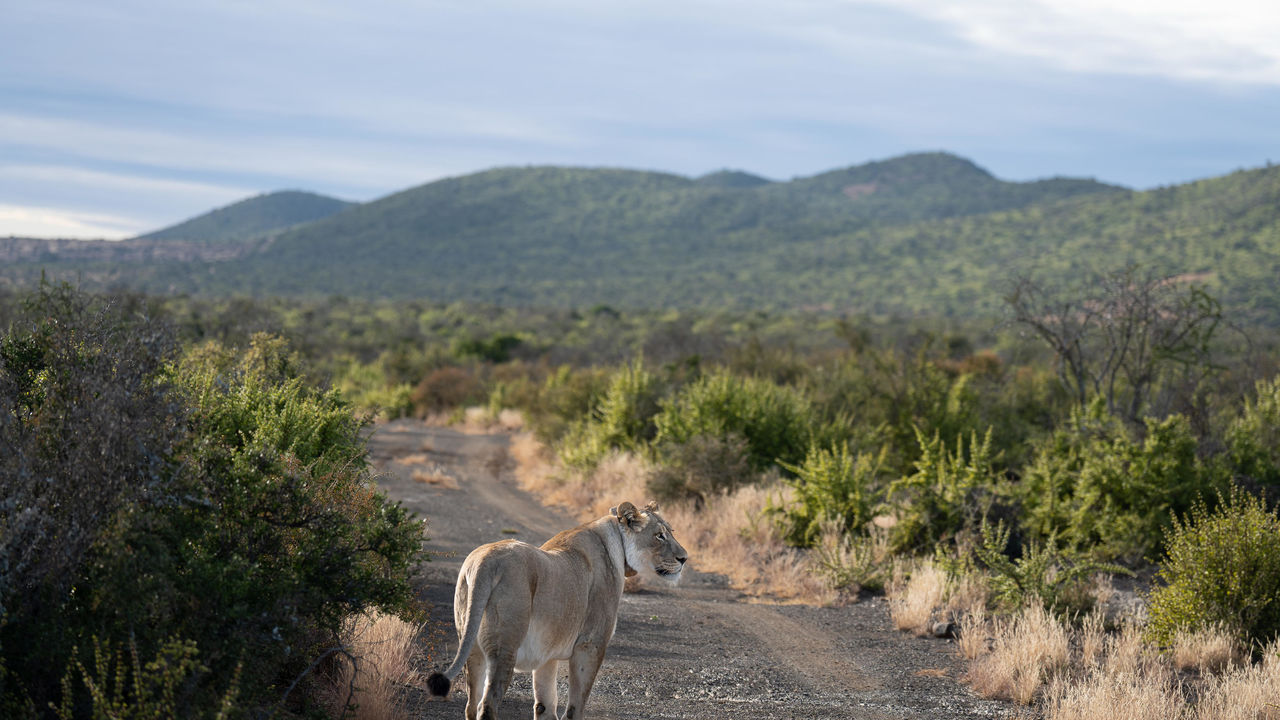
(440,682)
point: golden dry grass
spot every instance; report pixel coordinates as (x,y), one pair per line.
(974,632)
(1027,650)
(384,648)
(1120,675)
(915,594)
(482,420)
(1149,695)
(1092,640)
(435,477)
(1209,650)
(1127,653)
(1244,693)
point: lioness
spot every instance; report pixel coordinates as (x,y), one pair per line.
(527,608)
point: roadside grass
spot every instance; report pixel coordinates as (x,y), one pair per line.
(1027,650)
(728,535)
(1078,670)
(369,682)
(915,595)
(1057,669)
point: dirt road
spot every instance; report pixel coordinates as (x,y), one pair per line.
(692,652)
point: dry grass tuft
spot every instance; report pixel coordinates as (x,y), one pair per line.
(413,459)
(1210,650)
(974,632)
(913,600)
(534,468)
(384,648)
(1027,650)
(1149,695)
(734,538)
(1093,638)
(511,420)
(1122,676)
(1127,654)
(436,477)
(1245,693)
(483,420)
(969,595)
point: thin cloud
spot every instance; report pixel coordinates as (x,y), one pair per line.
(65,223)
(1229,41)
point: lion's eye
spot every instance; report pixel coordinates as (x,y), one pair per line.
(662,536)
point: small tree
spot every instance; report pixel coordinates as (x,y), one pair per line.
(1119,333)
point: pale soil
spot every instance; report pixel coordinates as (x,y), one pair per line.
(696,651)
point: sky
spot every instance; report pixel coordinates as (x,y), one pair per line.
(121,117)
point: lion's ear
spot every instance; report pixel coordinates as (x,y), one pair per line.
(651,506)
(627,514)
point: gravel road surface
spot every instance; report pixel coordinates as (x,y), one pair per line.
(699,651)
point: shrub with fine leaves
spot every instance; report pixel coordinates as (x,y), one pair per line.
(775,420)
(1222,566)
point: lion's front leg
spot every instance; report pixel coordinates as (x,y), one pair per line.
(544,691)
(583,666)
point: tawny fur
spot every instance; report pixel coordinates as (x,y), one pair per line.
(517,607)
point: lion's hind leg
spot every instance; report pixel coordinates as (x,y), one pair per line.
(544,690)
(499,667)
(506,622)
(475,683)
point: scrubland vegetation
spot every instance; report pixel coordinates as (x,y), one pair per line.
(991,476)
(185,531)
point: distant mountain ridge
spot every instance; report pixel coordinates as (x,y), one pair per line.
(253,217)
(929,233)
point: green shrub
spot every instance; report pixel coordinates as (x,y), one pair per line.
(622,420)
(775,420)
(1043,573)
(115,690)
(948,494)
(444,389)
(1220,566)
(495,349)
(832,487)
(1098,490)
(215,497)
(1253,439)
(626,412)
(853,561)
(565,399)
(367,387)
(89,430)
(700,469)
(285,538)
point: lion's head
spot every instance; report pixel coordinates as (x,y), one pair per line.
(650,546)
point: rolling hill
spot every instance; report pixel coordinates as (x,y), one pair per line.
(534,235)
(252,217)
(929,234)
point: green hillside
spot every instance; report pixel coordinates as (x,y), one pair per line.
(571,235)
(928,234)
(254,216)
(732,179)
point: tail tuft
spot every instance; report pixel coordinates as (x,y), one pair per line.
(438,684)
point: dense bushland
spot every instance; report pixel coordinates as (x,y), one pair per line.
(182,532)
(933,431)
